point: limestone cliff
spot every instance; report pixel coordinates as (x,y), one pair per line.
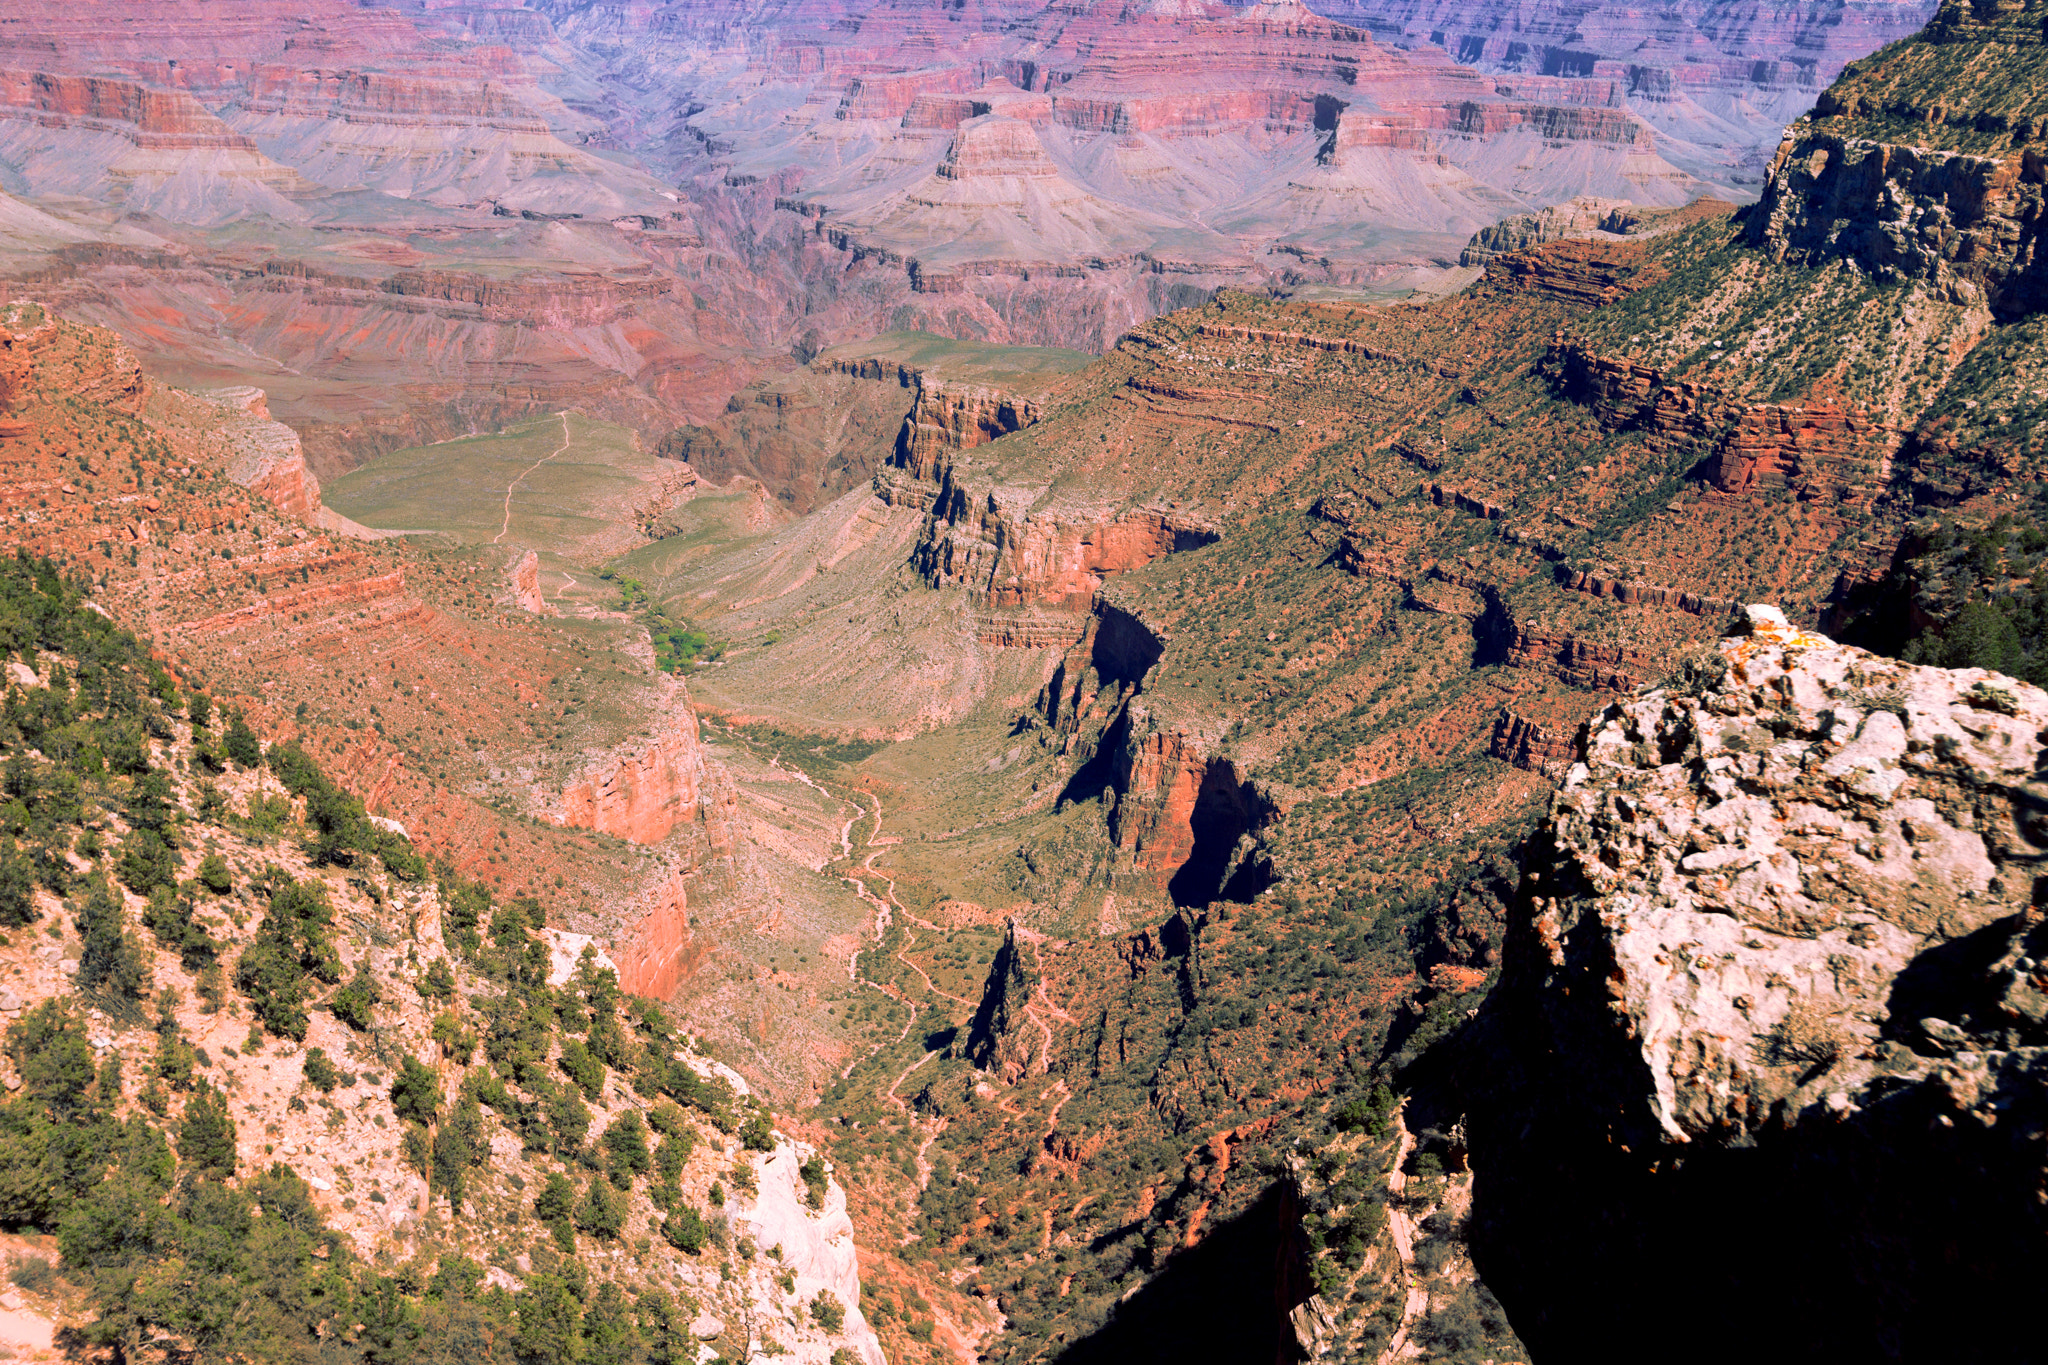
(1972,223)
(644,792)
(1927,162)
(262,455)
(1777,951)
(946,418)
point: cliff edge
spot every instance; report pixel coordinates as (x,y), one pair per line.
(1774,1011)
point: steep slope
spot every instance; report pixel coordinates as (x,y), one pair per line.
(209,940)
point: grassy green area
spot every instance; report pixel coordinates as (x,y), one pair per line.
(568,475)
(969,362)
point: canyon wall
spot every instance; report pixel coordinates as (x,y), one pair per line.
(1716,81)
(1929,165)
(264,456)
(645,792)
(945,419)
(1974,224)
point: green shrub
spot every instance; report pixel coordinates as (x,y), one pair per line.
(239,742)
(320,1072)
(213,874)
(813,1173)
(685,1230)
(34,1274)
(415,1092)
(625,1143)
(111,964)
(554,1206)
(354,1003)
(602,1212)
(582,1068)
(292,943)
(17,886)
(206,1137)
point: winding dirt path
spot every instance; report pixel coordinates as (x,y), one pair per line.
(507,525)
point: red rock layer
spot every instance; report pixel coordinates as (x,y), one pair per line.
(166,119)
(1529,746)
(645,794)
(1590,273)
(1814,451)
(656,952)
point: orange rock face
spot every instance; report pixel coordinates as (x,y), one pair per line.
(151,118)
(526,585)
(642,795)
(1814,451)
(655,951)
(1535,748)
(264,456)
(946,418)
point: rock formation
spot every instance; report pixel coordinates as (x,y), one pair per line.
(1717,86)
(264,456)
(644,794)
(1777,946)
(1042,179)
(1886,173)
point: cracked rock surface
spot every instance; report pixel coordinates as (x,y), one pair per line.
(1773,1019)
(1752,874)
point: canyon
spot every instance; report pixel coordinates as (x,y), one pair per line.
(410,222)
(1111,664)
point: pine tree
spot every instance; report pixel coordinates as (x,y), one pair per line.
(609,1333)
(206,1138)
(550,1323)
(602,1212)
(111,963)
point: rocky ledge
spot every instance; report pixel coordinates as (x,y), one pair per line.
(1745,874)
(1774,1011)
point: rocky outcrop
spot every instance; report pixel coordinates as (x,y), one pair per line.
(158,119)
(945,419)
(1534,748)
(997,545)
(1184,815)
(1590,273)
(1778,948)
(1974,224)
(1927,163)
(1582,216)
(1013,546)
(817,1248)
(653,952)
(1605,583)
(378,97)
(1571,657)
(525,581)
(1699,72)
(645,793)
(264,456)
(993,146)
